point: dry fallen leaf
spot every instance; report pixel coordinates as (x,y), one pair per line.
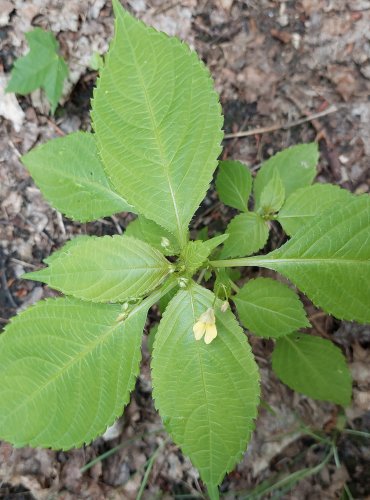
(9,107)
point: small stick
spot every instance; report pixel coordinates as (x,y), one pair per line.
(61,223)
(273,128)
(4,286)
(25,264)
(115,222)
(55,126)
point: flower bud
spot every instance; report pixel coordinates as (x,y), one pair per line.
(224,306)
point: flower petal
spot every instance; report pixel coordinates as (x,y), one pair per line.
(199,328)
(211,333)
(208,316)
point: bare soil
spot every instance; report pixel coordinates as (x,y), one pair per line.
(274,62)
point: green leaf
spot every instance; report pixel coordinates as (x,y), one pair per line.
(296,167)
(65,248)
(222,286)
(234,184)
(193,256)
(70,175)
(329,260)
(166,299)
(41,67)
(202,234)
(273,194)
(158,123)
(151,337)
(313,366)
(195,253)
(150,232)
(207,395)
(307,203)
(66,370)
(248,233)
(107,269)
(96,61)
(269,308)
(214,242)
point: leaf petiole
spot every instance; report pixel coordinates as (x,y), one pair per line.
(245,261)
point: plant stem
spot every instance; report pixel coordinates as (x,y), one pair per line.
(155,296)
(112,451)
(338,465)
(357,433)
(201,275)
(245,261)
(287,482)
(149,467)
(234,286)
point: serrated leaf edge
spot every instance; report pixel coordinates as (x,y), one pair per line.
(119,11)
(237,457)
(113,418)
(27,276)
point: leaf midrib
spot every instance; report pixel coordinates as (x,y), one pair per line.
(273,311)
(94,270)
(165,163)
(98,186)
(303,357)
(100,339)
(203,382)
(296,216)
(309,260)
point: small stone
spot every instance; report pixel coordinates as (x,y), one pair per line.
(296,40)
(283,18)
(365,70)
(5,10)
(362,188)
(226,4)
(9,107)
(114,431)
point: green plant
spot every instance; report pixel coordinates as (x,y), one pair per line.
(67,365)
(42,67)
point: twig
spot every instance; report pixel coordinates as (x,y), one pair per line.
(4,286)
(273,128)
(323,136)
(200,218)
(115,222)
(57,129)
(24,264)
(61,223)
(166,7)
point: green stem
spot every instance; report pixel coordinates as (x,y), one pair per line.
(110,452)
(234,286)
(149,466)
(287,482)
(357,433)
(154,297)
(201,275)
(245,261)
(338,465)
(182,237)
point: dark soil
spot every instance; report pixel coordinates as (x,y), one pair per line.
(274,62)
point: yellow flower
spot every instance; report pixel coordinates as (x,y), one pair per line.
(206,325)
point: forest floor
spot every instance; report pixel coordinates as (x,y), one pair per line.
(274,62)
